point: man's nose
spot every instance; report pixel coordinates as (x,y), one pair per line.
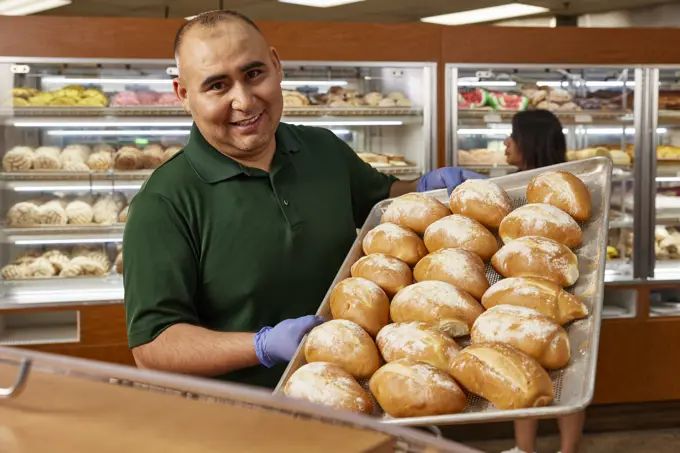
(242,97)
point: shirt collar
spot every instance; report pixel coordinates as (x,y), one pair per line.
(213,166)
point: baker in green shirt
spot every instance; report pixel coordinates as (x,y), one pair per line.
(231,245)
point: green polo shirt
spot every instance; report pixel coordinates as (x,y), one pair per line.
(212,243)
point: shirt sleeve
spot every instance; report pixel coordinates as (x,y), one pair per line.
(368,185)
(160,269)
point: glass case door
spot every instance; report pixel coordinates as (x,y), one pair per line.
(595,106)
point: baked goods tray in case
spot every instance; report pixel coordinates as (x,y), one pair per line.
(574,384)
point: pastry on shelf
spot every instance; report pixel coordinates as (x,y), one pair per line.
(103,147)
(26,257)
(23,93)
(74,157)
(152,157)
(481,157)
(293,98)
(79,213)
(63,101)
(47,158)
(106,210)
(100,160)
(15,272)
(171,151)
(122,217)
(168,100)
(387,102)
(23,214)
(52,213)
(665,152)
(57,258)
(125,99)
(20,102)
(147,98)
(41,267)
(40,100)
(97,254)
(128,158)
(19,158)
(81,266)
(373,98)
(119,263)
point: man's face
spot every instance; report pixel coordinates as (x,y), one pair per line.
(230,82)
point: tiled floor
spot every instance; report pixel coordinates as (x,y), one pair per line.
(649,441)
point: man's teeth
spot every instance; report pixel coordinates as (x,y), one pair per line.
(247,122)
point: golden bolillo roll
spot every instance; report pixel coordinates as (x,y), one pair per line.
(361,301)
(503,375)
(329,385)
(439,304)
(562,190)
(415,211)
(455,266)
(419,342)
(389,273)
(534,334)
(345,344)
(461,232)
(404,388)
(541,295)
(393,240)
(534,256)
(541,220)
(481,200)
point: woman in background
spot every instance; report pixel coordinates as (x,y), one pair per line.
(537,141)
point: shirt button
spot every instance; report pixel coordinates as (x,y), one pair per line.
(285,202)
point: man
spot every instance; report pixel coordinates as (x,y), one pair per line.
(246,227)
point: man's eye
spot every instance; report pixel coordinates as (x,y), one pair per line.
(254,73)
(217,86)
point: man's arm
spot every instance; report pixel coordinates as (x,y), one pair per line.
(187,349)
(400,188)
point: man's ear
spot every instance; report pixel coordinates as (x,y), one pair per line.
(277,63)
(181,93)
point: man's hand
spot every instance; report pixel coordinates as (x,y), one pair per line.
(446,178)
(278,344)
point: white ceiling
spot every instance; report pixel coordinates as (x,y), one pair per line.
(366,11)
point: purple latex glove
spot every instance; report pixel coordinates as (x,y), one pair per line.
(446,178)
(279,343)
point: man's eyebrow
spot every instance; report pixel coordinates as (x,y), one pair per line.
(252,65)
(214,78)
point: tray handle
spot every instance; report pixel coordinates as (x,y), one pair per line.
(19,383)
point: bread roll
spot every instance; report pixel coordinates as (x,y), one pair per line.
(19,158)
(503,375)
(541,220)
(534,256)
(23,213)
(415,389)
(542,295)
(481,200)
(128,158)
(52,213)
(152,156)
(329,385)
(455,266)
(415,211)
(562,190)
(396,241)
(41,267)
(526,329)
(47,158)
(362,302)
(419,342)
(439,304)
(461,232)
(345,344)
(391,274)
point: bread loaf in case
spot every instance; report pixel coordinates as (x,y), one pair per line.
(404,388)
(439,304)
(345,344)
(526,329)
(455,266)
(534,256)
(505,376)
(562,190)
(362,302)
(393,240)
(457,231)
(391,274)
(541,220)
(415,211)
(539,294)
(329,385)
(418,342)
(481,200)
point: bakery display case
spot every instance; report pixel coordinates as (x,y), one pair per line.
(79,137)
(595,106)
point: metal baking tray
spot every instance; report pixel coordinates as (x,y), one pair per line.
(573,384)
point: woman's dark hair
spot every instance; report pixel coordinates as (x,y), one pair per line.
(538,134)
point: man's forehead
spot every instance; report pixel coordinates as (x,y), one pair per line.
(226,36)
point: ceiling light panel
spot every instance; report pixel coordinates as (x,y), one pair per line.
(491,14)
(26,7)
(320,3)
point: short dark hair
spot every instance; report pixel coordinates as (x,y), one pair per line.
(210,19)
(539,137)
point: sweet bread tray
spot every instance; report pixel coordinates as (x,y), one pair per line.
(573,384)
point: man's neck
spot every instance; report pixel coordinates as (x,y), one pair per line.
(261,159)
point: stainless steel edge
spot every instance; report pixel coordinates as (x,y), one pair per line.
(575,383)
(641,179)
(430,118)
(653,123)
(451,115)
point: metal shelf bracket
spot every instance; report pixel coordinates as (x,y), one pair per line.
(19,383)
